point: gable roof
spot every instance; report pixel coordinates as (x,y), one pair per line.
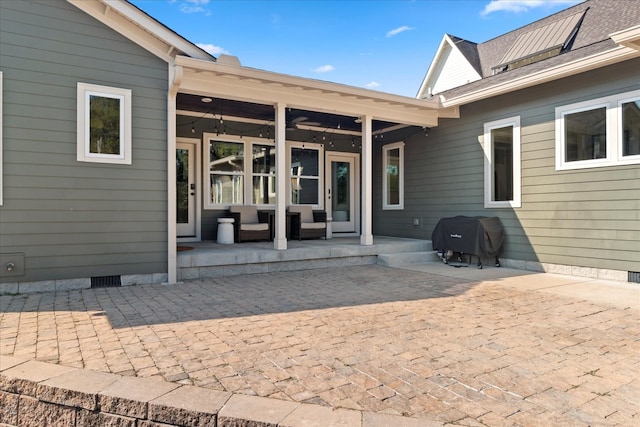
(456,61)
(133,23)
(583,39)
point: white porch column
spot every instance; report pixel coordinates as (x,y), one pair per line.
(175,78)
(280,240)
(366,236)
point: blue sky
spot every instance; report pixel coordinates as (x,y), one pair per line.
(385,45)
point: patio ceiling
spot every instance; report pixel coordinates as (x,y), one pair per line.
(251,112)
(245,93)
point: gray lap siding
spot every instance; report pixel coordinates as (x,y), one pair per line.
(76,219)
(584,217)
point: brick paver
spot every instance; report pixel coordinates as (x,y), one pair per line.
(369,338)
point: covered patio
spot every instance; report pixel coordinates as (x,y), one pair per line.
(223,103)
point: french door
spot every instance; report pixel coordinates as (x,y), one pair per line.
(186,190)
(343,191)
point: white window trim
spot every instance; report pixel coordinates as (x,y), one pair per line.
(247,173)
(252,174)
(84,91)
(208,137)
(624,160)
(385,151)
(1,130)
(517,165)
(309,146)
(614,133)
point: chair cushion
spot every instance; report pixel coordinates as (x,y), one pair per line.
(248,213)
(254,227)
(306,213)
(313,225)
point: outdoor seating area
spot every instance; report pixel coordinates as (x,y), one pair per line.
(250,223)
(306,223)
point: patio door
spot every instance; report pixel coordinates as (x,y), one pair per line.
(342,196)
(186,190)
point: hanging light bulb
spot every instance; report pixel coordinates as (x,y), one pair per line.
(353,144)
(193,128)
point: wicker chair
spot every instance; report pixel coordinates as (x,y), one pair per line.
(250,224)
(306,223)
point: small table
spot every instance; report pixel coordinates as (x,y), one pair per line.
(225,231)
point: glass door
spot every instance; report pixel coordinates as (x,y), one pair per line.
(342,197)
(186,190)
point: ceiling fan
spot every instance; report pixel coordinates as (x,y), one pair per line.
(302,120)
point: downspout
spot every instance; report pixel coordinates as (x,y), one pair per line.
(175,79)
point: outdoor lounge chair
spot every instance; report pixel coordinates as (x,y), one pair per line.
(250,224)
(306,223)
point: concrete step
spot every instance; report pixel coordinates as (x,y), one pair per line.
(407,258)
(404,246)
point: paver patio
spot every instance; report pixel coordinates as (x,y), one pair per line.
(388,340)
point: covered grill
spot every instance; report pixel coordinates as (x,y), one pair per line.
(479,236)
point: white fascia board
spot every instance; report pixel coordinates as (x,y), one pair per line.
(140,28)
(249,84)
(427,78)
(446,40)
(629,37)
(613,56)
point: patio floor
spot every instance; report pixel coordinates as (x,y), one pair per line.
(444,345)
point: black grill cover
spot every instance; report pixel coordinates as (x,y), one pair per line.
(478,236)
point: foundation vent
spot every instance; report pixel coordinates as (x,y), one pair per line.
(105,282)
(634,276)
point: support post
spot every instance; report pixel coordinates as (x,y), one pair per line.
(366,236)
(280,240)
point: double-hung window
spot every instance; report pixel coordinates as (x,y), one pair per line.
(393,176)
(263,190)
(104,124)
(599,132)
(305,166)
(234,181)
(502,163)
(226,172)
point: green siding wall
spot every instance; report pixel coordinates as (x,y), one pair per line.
(74,219)
(586,217)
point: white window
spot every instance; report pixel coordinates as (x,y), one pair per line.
(599,132)
(104,124)
(502,163)
(629,129)
(263,174)
(1,127)
(305,164)
(393,176)
(234,181)
(226,168)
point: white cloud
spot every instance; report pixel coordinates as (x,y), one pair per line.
(398,31)
(372,85)
(212,49)
(324,69)
(518,6)
(194,6)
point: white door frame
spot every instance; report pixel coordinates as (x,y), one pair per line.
(354,159)
(194,144)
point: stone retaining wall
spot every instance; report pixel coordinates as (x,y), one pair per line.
(36,393)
